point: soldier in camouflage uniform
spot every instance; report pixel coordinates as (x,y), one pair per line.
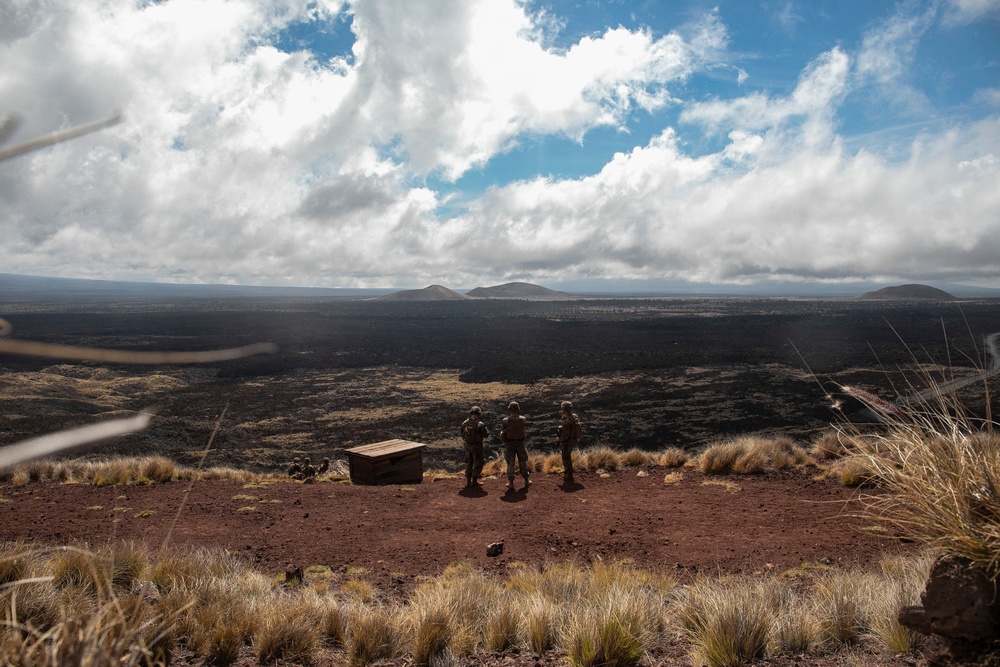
(512,435)
(570,431)
(474,431)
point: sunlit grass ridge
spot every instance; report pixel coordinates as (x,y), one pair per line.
(217,608)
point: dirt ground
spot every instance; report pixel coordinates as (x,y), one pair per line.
(390,535)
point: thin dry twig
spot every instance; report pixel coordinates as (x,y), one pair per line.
(201,462)
(76,353)
(56,137)
(53,443)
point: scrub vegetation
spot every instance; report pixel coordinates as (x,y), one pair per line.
(137,607)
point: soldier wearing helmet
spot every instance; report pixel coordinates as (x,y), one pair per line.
(474,432)
(570,431)
(512,436)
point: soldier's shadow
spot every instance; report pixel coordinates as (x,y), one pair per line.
(520,495)
(473,492)
(571,487)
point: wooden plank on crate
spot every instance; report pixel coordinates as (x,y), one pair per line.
(389,462)
(386,448)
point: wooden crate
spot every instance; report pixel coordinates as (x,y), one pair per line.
(389,462)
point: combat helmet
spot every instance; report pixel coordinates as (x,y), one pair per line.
(475,410)
(514,406)
(566,405)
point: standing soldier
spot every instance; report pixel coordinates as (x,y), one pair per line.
(569,438)
(474,431)
(512,435)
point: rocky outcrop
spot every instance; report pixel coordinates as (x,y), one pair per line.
(960,609)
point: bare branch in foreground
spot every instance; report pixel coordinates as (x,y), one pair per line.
(58,137)
(75,353)
(53,443)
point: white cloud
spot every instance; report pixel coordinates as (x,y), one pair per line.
(789,17)
(809,108)
(483,79)
(960,12)
(887,53)
(819,213)
(988,97)
(238,161)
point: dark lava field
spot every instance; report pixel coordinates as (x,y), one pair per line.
(646,373)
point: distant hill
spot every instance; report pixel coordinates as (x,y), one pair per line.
(516,291)
(908,293)
(432,293)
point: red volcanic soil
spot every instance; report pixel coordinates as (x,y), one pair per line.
(399,532)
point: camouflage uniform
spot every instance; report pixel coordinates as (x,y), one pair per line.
(569,437)
(512,435)
(474,432)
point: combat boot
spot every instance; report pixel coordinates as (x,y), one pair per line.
(510,485)
(527,482)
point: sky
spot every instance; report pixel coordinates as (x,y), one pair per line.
(399,143)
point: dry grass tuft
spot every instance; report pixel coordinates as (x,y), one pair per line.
(637,457)
(752,454)
(673,457)
(729,623)
(941,469)
(495,466)
(830,444)
(553,464)
(600,458)
(123,470)
(852,470)
(286,631)
(601,614)
(840,606)
(501,630)
(372,636)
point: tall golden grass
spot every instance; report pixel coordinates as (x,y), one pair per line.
(218,609)
(735,620)
(744,455)
(120,471)
(752,454)
(940,466)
